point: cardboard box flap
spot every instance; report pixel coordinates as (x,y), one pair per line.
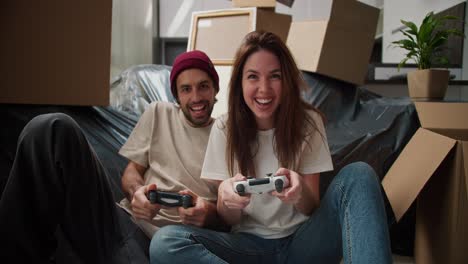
(333,53)
(311,46)
(417,162)
(274,22)
(349,15)
(444,116)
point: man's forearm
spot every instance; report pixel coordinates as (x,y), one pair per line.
(130,189)
(132,179)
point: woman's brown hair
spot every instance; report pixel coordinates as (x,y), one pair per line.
(292,123)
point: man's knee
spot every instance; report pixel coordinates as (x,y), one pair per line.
(47,124)
(166,240)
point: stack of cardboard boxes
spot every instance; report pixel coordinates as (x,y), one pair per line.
(339,47)
(433,170)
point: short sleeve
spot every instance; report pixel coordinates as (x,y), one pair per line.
(316,156)
(214,165)
(137,146)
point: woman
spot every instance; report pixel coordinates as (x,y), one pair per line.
(269,126)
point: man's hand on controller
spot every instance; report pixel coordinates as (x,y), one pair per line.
(199,214)
(292,193)
(141,206)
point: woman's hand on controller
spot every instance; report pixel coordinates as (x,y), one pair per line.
(231,199)
(291,194)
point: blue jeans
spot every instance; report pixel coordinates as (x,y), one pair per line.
(350,223)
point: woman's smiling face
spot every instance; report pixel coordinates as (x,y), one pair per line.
(262,86)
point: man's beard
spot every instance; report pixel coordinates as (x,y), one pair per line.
(198,122)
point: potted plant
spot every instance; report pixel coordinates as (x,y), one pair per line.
(424,46)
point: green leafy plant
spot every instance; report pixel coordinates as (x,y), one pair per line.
(424,44)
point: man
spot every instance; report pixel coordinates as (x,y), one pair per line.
(56,180)
(167,147)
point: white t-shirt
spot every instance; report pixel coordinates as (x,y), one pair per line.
(172,151)
(266,216)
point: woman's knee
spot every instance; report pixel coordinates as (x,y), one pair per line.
(360,171)
(358,175)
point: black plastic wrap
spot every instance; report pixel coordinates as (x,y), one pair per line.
(361,126)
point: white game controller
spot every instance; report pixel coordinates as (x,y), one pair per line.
(261,185)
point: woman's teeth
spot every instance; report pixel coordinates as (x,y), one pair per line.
(263,101)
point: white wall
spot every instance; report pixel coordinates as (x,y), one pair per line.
(307,9)
(175,15)
(132,34)
(413,10)
(224,73)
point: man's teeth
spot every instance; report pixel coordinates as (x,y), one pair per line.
(197,108)
(263,101)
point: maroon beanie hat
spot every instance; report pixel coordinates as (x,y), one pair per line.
(189,60)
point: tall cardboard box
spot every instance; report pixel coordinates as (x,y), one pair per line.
(55,52)
(219,33)
(433,168)
(339,47)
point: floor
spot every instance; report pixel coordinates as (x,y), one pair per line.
(402,260)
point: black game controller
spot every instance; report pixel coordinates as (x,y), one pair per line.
(170,199)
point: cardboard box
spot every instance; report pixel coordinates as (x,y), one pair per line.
(55,52)
(433,168)
(339,47)
(261,3)
(219,33)
(254,3)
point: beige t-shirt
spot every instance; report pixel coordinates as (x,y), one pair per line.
(266,215)
(172,151)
